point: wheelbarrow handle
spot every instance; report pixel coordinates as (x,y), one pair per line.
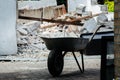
(95,32)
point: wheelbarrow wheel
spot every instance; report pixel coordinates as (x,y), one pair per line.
(55,63)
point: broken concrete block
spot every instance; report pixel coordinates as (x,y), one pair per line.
(80,8)
(22,31)
(101,19)
(33,25)
(71,34)
(18,34)
(72,28)
(21,41)
(90,25)
(94,2)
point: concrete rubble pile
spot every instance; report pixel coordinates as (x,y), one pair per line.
(28,38)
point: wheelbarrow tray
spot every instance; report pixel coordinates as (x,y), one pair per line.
(65,44)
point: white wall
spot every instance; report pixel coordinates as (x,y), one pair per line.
(72,4)
(8,44)
(36,4)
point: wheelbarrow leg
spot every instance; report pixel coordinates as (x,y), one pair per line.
(82,60)
(77,62)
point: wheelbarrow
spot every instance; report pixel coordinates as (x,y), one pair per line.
(60,46)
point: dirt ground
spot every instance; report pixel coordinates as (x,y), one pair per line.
(29,70)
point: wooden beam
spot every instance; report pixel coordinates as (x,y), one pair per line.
(52,21)
(86,17)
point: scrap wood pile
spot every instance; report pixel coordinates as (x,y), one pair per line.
(28,34)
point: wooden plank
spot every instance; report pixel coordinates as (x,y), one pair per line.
(116,30)
(59,11)
(86,17)
(117,38)
(75,21)
(117,0)
(117,15)
(52,21)
(49,25)
(31,13)
(117,22)
(48,12)
(117,7)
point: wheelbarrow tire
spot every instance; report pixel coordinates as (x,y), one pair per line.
(55,63)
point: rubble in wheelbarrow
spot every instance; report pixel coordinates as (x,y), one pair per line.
(30,42)
(28,34)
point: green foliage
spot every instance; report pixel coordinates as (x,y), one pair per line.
(110,5)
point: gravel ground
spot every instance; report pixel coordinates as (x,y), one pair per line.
(37,70)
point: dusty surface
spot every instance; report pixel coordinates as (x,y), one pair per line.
(38,70)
